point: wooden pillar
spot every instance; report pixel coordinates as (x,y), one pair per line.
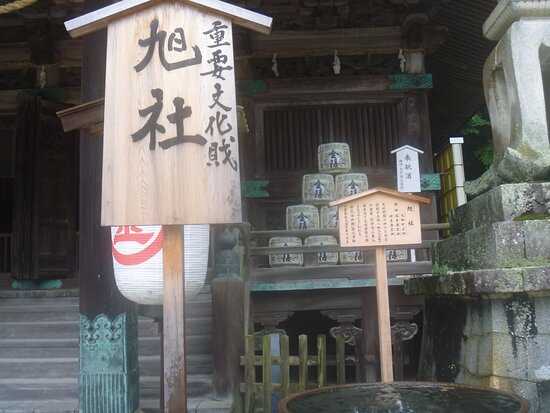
(383,306)
(175,392)
(228,325)
(370,336)
(108,376)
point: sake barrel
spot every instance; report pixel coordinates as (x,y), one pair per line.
(317,189)
(137,261)
(350,184)
(302,217)
(397,255)
(329,217)
(334,158)
(353,257)
(286,260)
(324,258)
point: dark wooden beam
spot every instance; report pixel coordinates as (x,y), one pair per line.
(101,304)
(18,55)
(324,272)
(87,117)
(380,40)
(9,98)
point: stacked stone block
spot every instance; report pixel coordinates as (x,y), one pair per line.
(488,311)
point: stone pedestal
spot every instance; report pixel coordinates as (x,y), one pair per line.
(488,311)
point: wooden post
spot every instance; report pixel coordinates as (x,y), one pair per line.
(266,371)
(340,360)
(321,360)
(302,375)
(383,304)
(108,368)
(370,336)
(285,367)
(228,340)
(394,219)
(249,373)
(175,392)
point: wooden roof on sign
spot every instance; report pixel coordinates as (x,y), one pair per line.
(380,189)
(101,18)
(407,147)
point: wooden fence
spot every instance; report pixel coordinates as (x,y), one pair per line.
(263,391)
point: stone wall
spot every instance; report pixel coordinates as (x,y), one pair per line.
(501,342)
(488,311)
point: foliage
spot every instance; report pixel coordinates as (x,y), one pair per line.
(474,125)
(441,269)
(484,153)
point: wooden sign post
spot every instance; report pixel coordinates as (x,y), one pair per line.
(170,149)
(377,218)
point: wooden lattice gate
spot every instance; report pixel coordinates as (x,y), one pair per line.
(258,395)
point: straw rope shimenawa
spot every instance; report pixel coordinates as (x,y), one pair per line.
(15,5)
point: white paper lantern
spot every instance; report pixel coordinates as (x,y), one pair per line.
(137,261)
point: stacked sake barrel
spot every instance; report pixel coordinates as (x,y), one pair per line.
(332,182)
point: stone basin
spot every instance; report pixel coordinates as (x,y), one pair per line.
(404,397)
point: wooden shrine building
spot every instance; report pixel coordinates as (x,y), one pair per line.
(376,75)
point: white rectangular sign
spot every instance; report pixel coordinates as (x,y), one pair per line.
(408,171)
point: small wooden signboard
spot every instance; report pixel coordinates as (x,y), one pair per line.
(377,218)
(170,147)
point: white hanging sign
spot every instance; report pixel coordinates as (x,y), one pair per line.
(408,169)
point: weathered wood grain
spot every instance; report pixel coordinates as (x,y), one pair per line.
(302,369)
(141,185)
(285,367)
(175,394)
(321,360)
(228,340)
(383,306)
(266,372)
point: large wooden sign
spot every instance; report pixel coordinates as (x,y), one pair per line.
(170,140)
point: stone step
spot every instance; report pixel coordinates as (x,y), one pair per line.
(147,347)
(39,354)
(31,308)
(147,405)
(40,406)
(198,386)
(510,244)
(43,317)
(65,342)
(200,344)
(204,404)
(58,329)
(63,367)
(38,301)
